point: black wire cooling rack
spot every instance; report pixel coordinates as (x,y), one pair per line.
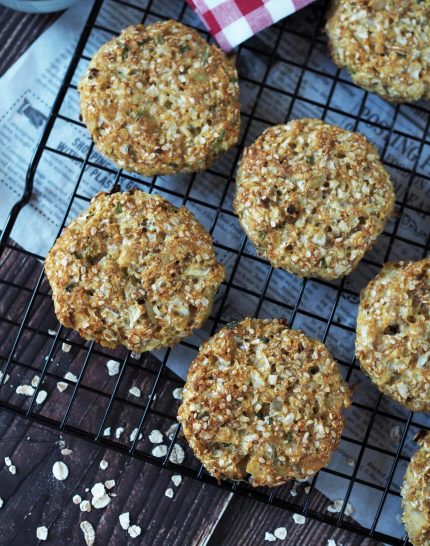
(101,409)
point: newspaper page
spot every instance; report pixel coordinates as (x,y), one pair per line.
(25,106)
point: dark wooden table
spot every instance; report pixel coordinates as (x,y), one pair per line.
(199,514)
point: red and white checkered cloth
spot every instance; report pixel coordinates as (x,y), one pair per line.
(231,22)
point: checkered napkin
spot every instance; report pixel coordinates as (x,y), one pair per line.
(231,22)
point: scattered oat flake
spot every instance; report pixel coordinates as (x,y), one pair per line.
(269,537)
(177,455)
(281,533)
(51,332)
(107,431)
(396,433)
(133,435)
(118,432)
(60,471)
(331,542)
(6,379)
(177,479)
(7,461)
(85,506)
(307,489)
(35,381)
(12,469)
(135,355)
(77,499)
(177,393)
(124,520)
(62,386)
(134,531)
(66,451)
(100,502)
(350,462)
(104,464)
(89,534)
(299,519)
(169,493)
(170,432)
(71,377)
(135,391)
(65,347)
(159,451)
(42,533)
(98,490)
(155,437)
(337,507)
(25,390)
(1,502)
(41,397)
(109,484)
(113,367)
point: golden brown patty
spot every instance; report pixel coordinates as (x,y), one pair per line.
(393,332)
(415,495)
(159,100)
(384,45)
(133,270)
(312,197)
(263,400)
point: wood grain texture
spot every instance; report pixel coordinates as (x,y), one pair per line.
(198,514)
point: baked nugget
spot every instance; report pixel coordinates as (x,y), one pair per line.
(158,99)
(393,332)
(384,45)
(265,401)
(133,270)
(415,495)
(312,197)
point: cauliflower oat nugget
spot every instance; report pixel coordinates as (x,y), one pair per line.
(133,270)
(393,332)
(312,197)
(263,400)
(158,99)
(384,45)
(415,495)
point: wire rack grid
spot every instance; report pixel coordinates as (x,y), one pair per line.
(32,342)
